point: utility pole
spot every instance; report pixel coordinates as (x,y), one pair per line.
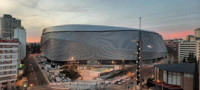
(139,60)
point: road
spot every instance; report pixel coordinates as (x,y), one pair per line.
(36,78)
(147,72)
(34,73)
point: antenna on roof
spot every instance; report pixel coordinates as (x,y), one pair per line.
(140,21)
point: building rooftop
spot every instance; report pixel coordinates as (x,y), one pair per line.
(178,67)
(86,27)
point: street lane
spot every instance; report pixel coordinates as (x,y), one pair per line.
(34,73)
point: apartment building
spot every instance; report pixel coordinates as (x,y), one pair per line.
(172,46)
(9,62)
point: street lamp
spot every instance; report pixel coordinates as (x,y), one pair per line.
(31,85)
(72,58)
(113,62)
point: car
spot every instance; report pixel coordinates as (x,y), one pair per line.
(116,82)
(119,83)
(123,81)
(128,79)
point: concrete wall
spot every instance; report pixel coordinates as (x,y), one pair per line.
(161,75)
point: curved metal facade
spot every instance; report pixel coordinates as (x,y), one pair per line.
(106,44)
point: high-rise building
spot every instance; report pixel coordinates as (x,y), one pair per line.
(197,32)
(8,24)
(187,47)
(20,34)
(9,62)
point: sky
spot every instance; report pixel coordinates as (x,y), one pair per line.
(170,18)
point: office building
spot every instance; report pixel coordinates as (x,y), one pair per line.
(8,24)
(20,34)
(186,47)
(9,62)
(95,42)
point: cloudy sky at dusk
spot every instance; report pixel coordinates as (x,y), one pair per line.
(170,18)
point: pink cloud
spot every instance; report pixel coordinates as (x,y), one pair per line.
(180,34)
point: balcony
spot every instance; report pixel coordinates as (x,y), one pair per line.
(6,75)
(8,80)
(13,69)
(9,64)
(13,48)
(9,53)
(6,59)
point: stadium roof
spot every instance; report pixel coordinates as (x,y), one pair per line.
(179,67)
(85,27)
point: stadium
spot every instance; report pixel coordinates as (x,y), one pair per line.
(99,43)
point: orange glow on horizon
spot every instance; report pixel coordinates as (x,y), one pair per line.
(32,40)
(181,34)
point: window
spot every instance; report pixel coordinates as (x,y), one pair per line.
(178,79)
(4,83)
(165,76)
(170,78)
(188,75)
(174,78)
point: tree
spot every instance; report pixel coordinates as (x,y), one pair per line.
(191,58)
(196,77)
(149,82)
(184,60)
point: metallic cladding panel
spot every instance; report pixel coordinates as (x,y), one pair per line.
(83,27)
(101,45)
